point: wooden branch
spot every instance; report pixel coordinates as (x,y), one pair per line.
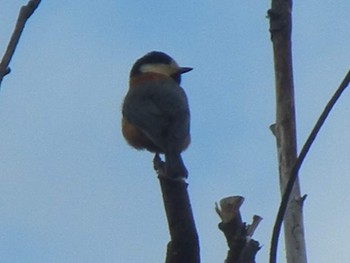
(242,248)
(283,206)
(184,245)
(24,14)
(280,16)
(251,228)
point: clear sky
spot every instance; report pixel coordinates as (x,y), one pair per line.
(71,190)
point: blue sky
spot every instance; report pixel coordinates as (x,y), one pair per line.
(71,189)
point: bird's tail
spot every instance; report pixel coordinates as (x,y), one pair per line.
(174,166)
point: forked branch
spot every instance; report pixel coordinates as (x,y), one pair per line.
(242,248)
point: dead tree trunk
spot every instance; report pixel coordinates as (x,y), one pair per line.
(285,127)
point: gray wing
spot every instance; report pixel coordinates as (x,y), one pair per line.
(159,109)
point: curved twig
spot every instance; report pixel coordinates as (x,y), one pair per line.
(298,163)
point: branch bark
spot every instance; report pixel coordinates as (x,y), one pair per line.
(24,14)
(283,206)
(184,245)
(242,248)
(280,16)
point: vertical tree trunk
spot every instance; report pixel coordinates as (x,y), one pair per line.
(285,128)
(184,244)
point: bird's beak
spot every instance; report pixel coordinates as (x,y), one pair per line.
(183,70)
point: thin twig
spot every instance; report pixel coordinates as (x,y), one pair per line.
(24,14)
(298,163)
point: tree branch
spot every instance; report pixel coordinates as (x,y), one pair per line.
(242,248)
(302,155)
(184,244)
(280,16)
(24,14)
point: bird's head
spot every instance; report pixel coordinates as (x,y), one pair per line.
(158,62)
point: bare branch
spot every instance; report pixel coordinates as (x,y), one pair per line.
(284,130)
(229,207)
(184,244)
(24,14)
(242,248)
(251,228)
(299,161)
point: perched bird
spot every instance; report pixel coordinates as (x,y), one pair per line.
(155,111)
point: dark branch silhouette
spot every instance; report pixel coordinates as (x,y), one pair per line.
(184,245)
(299,161)
(24,14)
(242,248)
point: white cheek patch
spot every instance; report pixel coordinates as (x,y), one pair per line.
(159,68)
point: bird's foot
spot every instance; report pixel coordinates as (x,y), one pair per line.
(159,167)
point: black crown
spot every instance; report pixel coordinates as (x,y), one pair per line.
(154,57)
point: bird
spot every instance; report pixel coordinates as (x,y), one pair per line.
(155,110)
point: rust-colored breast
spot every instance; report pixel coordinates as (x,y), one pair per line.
(146,77)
